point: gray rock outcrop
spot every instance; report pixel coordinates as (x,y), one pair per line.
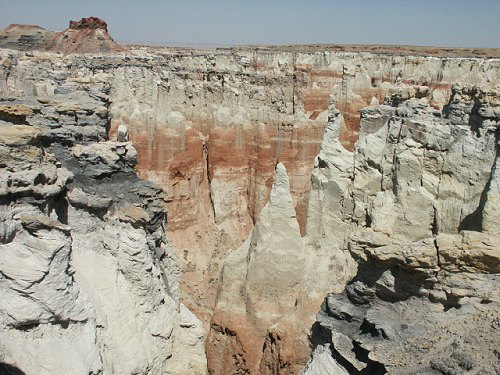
(88,282)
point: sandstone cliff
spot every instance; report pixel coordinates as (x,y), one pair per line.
(213,127)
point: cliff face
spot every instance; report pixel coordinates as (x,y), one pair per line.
(263,226)
(422,203)
(88,282)
(213,127)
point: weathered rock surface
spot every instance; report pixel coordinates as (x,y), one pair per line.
(89,35)
(227,118)
(88,282)
(271,287)
(417,167)
(424,299)
(24,37)
(262,292)
(220,171)
(90,23)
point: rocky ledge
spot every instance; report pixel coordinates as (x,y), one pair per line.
(89,23)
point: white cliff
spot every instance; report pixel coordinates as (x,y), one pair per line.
(422,231)
(88,282)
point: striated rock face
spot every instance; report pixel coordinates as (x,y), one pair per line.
(269,290)
(260,289)
(217,153)
(424,298)
(89,35)
(400,203)
(212,127)
(85,269)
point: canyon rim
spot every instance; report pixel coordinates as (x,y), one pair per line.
(246,210)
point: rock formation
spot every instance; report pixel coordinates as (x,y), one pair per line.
(260,289)
(195,143)
(24,37)
(424,298)
(88,282)
(89,35)
(287,175)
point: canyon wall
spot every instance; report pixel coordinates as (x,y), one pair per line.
(212,127)
(422,201)
(262,225)
(88,282)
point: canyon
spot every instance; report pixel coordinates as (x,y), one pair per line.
(231,131)
(248,210)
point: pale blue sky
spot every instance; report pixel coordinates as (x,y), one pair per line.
(471,23)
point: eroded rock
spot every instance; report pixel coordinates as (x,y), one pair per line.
(415,167)
(423,299)
(85,268)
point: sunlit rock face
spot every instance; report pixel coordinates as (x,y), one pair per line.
(88,281)
(422,193)
(212,127)
(89,35)
(286,176)
(269,291)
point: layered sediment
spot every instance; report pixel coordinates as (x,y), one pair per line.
(232,128)
(289,175)
(24,37)
(89,35)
